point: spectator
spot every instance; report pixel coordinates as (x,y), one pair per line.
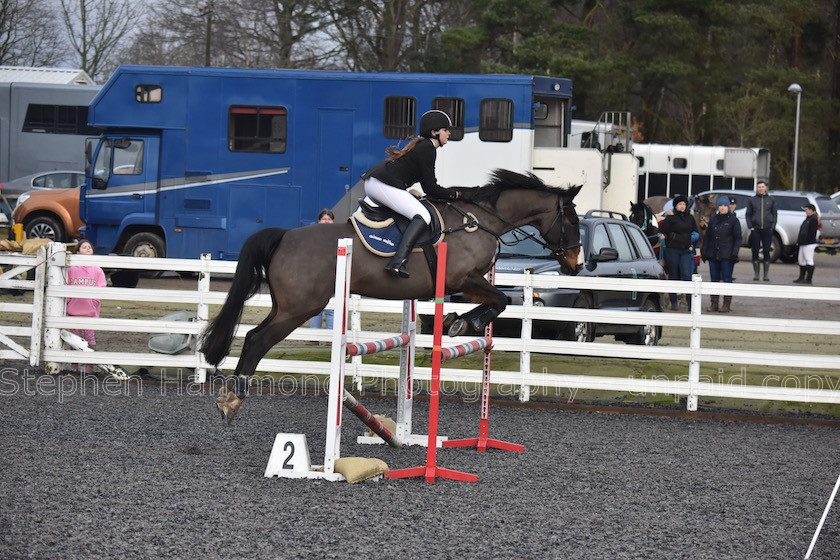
(80,275)
(761,220)
(720,249)
(324,319)
(679,231)
(807,241)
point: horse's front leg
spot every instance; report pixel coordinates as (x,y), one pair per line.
(492,301)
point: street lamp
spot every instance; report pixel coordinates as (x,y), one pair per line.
(797,89)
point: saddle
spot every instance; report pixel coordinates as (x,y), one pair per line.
(380,229)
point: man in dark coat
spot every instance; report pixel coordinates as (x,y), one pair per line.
(761,220)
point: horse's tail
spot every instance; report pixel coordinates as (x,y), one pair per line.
(251,270)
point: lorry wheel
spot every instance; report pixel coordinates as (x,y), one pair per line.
(45,227)
(146,245)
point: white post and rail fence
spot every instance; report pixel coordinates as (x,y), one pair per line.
(34,336)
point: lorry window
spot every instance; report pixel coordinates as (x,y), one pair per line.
(128,159)
(148,93)
(454,107)
(102,166)
(400,117)
(257,129)
(495,120)
(57,119)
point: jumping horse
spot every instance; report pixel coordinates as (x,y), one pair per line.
(299,267)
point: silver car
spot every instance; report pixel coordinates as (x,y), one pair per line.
(42,180)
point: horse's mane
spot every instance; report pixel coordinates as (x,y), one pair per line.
(502,180)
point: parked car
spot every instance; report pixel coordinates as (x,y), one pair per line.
(611,247)
(789,218)
(42,180)
(53,214)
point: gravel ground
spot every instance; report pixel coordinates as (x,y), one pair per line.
(154,473)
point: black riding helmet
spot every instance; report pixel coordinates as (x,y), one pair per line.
(432,121)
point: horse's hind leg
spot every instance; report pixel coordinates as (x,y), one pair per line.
(258,342)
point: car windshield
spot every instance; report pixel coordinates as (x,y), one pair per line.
(517,244)
(824,204)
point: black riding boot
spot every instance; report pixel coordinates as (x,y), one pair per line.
(801,278)
(412,232)
(809,274)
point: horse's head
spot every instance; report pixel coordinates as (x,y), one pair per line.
(519,199)
(704,209)
(561,231)
(638,213)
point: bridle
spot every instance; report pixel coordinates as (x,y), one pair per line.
(559,217)
(646,225)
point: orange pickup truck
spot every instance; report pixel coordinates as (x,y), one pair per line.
(52,213)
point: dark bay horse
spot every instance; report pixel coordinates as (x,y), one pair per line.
(299,267)
(645,218)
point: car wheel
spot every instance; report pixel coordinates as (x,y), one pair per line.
(647,335)
(45,227)
(146,245)
(584,332)
(791,255)
(775,248)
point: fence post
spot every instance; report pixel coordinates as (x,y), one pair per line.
(694,340)
(202,316)
(527,327)
(54,306)
(38,295)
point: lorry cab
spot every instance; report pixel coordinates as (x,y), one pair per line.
(121,195)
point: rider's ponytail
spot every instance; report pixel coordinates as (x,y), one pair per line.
(394,153)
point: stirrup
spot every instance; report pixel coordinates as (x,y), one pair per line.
(398,269)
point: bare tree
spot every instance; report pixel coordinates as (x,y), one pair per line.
(29,35)
(280,33)
(96,29)
(246,34)
(385,35)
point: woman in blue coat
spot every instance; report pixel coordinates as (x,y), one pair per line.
(720,249)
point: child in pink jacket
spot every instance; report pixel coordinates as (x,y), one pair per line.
(84,276)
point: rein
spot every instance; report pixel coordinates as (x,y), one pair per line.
(473,222)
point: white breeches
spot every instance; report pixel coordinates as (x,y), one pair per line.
(806,254)
(396,199)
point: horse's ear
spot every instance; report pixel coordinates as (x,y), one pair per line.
(573,191)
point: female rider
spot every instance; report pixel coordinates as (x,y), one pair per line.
(387,182)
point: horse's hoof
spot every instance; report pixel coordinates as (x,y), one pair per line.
(459,328)
(228,404)
(448,320)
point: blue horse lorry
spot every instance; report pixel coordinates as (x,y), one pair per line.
(194,160)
